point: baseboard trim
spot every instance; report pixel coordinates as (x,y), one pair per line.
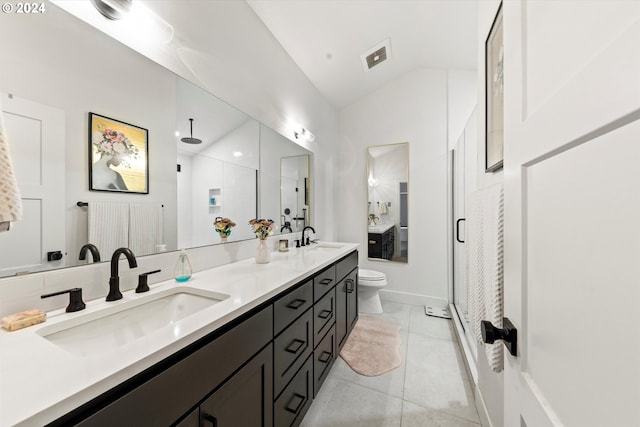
(413,299)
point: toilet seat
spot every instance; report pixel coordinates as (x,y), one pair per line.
(370,275)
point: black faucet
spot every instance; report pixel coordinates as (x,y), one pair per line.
(308,227)
(114,280)
(90,247)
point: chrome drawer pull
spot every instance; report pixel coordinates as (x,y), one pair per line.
(296,303)
(295,346)
(325,356)
(298,406)
(324,314)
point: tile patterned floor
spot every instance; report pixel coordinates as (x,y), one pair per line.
(430,388)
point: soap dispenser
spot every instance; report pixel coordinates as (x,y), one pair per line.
(182,272)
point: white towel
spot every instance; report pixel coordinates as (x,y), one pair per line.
(484,230)
(145,228)
(108,226)
(383,208)
(10,201)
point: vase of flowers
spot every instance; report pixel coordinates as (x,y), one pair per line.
(223,226)
(262,229)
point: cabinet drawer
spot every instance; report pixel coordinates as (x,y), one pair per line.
(346,264)
(323,358)
(324,316)
(323,282)
(291,348)
(289,409)
(291,306)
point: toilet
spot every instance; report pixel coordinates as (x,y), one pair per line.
(369,283)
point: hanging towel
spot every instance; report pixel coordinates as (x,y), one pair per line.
(108,226)
(10,202)
(145,228)
(485,265)
(383,208)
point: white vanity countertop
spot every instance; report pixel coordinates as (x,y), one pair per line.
(40,381)
(379,228)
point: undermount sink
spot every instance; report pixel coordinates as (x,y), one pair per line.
(128,321)
(330,245)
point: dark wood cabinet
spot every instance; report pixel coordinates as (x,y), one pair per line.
(381,245)
(245,399)
(293,403)
(262,369)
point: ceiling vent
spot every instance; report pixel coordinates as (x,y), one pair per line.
(376,55)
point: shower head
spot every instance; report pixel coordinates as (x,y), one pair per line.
(191,139)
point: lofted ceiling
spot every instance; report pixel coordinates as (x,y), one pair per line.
(326,38)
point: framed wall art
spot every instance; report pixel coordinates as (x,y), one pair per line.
(494,96)
(118,156)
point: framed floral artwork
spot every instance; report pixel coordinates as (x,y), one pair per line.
(118,156)
(494,96)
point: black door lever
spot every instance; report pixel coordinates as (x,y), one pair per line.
(509,334)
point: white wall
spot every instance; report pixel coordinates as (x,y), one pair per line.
(411,109)
(78,71)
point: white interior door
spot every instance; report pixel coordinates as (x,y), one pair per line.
(36,135)
(572,235)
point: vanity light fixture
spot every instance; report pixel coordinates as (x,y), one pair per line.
(113,9)
(304,135)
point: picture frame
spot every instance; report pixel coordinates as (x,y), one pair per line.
(118,156)
(494,95)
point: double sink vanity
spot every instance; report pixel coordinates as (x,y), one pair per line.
(240,344)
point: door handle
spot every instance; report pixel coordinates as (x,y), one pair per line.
(508,334)
(210,419)
(458,229)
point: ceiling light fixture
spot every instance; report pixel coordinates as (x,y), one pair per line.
(112,9)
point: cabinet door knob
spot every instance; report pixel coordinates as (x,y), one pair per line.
(508,334)
(325,356)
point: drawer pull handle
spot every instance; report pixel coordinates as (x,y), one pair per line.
(301,399)
(211,419)
(295,346)
(296,303)
(349,288)
(324,314)
(372,242)
(326,281)
(325,356)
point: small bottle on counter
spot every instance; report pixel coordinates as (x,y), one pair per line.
(182,271)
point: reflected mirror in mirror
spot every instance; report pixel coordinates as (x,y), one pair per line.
(294,193)
(279,177)
(387,202)
(46,120)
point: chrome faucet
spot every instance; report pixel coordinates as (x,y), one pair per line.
(114,280)
(89,247)
(308,227)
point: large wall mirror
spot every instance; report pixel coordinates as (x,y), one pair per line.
(63,69)
(388,191)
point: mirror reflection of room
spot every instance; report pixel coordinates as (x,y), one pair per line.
(294,193)
(387,219)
